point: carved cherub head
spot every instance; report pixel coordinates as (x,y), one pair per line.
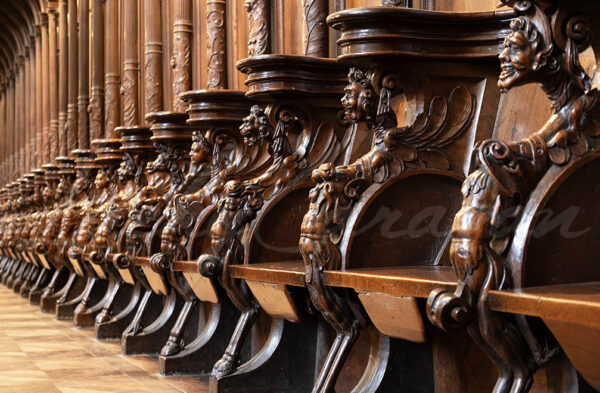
(360,100)
(255,125)
(526,51)
(101,180)
(201,150)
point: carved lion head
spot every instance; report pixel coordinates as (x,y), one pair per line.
(360,100)
(255,125)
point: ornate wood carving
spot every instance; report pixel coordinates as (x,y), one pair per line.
(216,42)
(96,104)
(181,62)
(72,123)
(63,143)
(130,83)
(112,79)
(259,39)
(542,47)
(153,52)
(316,37)
(45,92)
(53,87)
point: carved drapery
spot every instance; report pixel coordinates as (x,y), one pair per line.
(216,44)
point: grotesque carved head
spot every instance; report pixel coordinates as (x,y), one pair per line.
(255,125)
(525,54)
(249,5)
(360,100)
(200,151)
(126,169)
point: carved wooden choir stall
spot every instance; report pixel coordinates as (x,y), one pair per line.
(311,195)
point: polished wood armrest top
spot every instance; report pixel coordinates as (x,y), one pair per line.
(575,303)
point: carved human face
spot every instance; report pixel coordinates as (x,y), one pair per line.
(517,61)
(79,184)
(125,171)
(61,188)
(358,102)
(198,153)
(249,5)
(101,180)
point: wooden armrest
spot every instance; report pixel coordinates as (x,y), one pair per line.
(575,303)
(186,266)
(289,273)
(397,281)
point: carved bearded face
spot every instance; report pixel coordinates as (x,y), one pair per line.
(254,126)
(125,171)
(359,98)
(520,58)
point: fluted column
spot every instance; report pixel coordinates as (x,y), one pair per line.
(73,78)
(63,67)
(181,63)
(217,44)
(96,107)
(53,87)
(112,79)
(129,88)
(21,117)
(153,57)
(83,131)
(45,92)
(10,109)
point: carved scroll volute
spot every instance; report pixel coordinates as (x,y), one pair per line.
(259,39)
(316,34)
(181,64)
(216,44)
(541,48)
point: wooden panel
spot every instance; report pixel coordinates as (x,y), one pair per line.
(466,5)
(275,299)
(395,316)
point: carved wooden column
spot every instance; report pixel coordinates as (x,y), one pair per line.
(217,51)
(53,86)
(96,107)
(20,111)
(38,95)
(25,131)
(181,63)
(10,126)
(84,75)
(31,138)
(259,40)
(112,79)
(63,78)
(316,34)
(153,52)
(45,152)
(72,78)
(129,88)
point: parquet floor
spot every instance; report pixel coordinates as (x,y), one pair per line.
(40,354)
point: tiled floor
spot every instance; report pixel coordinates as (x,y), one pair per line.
(40,354)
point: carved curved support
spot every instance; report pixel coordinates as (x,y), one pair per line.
(504,176)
